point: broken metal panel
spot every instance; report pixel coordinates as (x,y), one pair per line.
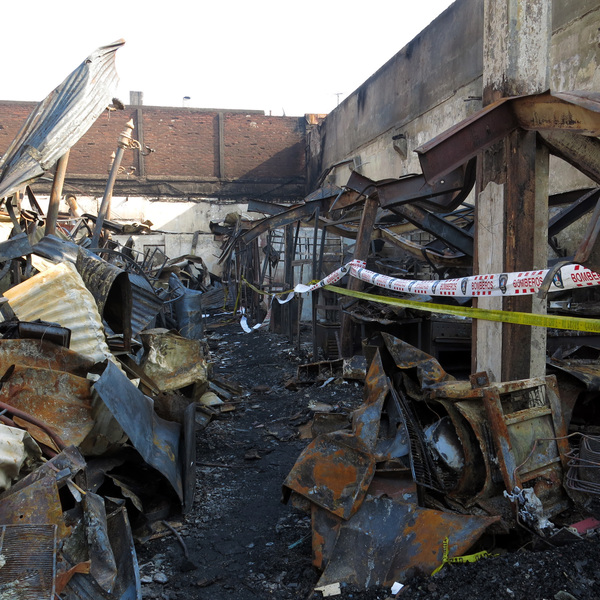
(333,471)
(530,438)
(37,504)
(397,540)
(325,527)
(60,120)
(28,562)
(63,466)
(429,370)
(154,438)
(127,583)
(103,565)
(61,400)
(58,295)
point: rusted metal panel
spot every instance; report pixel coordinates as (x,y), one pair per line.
(397,540)
(429,370)
(28,562)
(60,120)
(15,247)
(333,471)
(154,438)
(325,528)
(61,400)
(37,504)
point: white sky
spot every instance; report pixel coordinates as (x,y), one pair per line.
(271,55)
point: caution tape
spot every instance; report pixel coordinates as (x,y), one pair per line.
(467,558)
(500,284)
(518,318)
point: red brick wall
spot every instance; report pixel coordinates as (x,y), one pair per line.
(186,143)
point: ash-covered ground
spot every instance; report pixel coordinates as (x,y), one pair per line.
(243,543)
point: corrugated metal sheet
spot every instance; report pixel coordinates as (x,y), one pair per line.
(60,120)
(58,295)
(145,303)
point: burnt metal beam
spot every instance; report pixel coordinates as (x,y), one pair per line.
(457,145)
(444,196)
(574,212)
(578,150)
(567,113)
(267,208)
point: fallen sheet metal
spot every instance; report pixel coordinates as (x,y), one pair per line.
(60,120)
(429,371)
(172,361)
(58,295)
(126,585)
(397,541)
(155,439)
(333,471)
(28,562)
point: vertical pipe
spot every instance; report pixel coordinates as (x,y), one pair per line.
(56,193)
(124,142)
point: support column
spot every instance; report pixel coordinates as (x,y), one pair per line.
(512,186)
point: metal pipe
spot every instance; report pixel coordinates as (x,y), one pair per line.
(56,193)
(125,141)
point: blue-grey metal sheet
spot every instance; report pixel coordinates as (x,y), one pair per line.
(154,438)
(60,120)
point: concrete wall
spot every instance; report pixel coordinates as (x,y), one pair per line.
(435,82)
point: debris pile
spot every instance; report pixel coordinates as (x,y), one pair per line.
(432,470)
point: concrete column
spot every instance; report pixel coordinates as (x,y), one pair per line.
(512,186)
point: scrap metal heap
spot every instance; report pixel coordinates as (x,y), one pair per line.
(102,376)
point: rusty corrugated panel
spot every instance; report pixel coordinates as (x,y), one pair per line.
(334,471)
(60,120)
(110,287)
(58,295)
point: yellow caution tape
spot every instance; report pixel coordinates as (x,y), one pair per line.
(263,292)
(459,559)
(518,318)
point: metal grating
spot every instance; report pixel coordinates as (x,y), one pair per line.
(28,560)
(423,469)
